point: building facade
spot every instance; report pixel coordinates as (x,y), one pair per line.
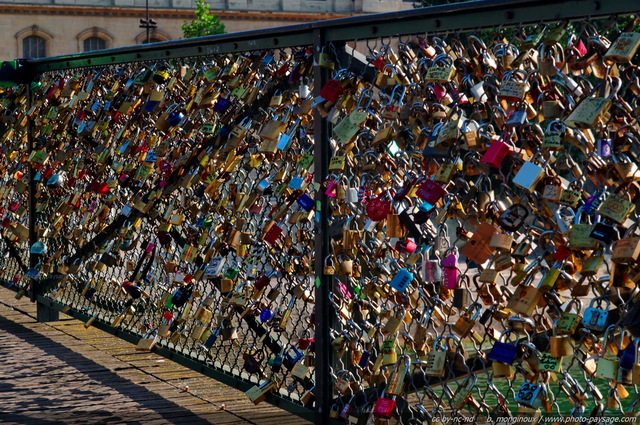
(40,28)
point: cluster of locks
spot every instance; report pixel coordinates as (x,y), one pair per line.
(483,199)
(173,200)
(480,206)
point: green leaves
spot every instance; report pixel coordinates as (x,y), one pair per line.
(206,23)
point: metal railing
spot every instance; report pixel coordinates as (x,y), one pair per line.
(137,166)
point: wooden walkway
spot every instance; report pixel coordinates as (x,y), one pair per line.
(61,373)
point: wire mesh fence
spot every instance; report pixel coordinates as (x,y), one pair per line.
(480,251)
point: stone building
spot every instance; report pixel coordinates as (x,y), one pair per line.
(39,28)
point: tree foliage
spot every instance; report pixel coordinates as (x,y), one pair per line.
(206,23)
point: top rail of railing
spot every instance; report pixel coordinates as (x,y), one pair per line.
(452,17)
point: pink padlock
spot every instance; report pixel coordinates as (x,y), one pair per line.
(331,188)
(384,408)
(343,289)
(450,277)
(497,152)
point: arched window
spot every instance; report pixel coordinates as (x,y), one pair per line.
(34,46)
(155,36)
(94,39)
(94,43)
(33,42)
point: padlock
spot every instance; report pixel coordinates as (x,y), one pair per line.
(477,249)
(569,319)
(436,360)
(560,345)
(450,270)
(502,351)
(607,368)
(465,323)
(623,48)
(530,174)
(627,249)
(391,109)
(384,407)
(442,70)
(529,395)
(401,280)
(497,152)
(513,218)
(430,191)
(590,111)
(513,86)
(388,350)
(396,381)
(616,208)
(258,393)
(595,317)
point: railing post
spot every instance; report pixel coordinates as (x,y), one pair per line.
(32,194)
(43,312)
(323,319)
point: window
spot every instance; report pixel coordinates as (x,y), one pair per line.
(94,43)
(94,39)
(155,36)
(33,42)
(34,47)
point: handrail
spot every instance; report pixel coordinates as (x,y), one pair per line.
(451,17)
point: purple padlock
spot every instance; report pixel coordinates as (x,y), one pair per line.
(450,272)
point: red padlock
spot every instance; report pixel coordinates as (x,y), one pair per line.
(497,152)
(47,173)
(13,206)
(384,408)
(98,187)
(562,253)
(331,91)
(273,234)
(262,282)
(379,208)
(406,246)
(431,192)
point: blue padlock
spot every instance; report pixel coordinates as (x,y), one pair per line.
(151,105)
(265,315)
(401,280)
(213,336)
(175,118)
(505,352)
(306,202)
(628,355)
(529,395)
(595,318)
(293,354)
(222,105)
